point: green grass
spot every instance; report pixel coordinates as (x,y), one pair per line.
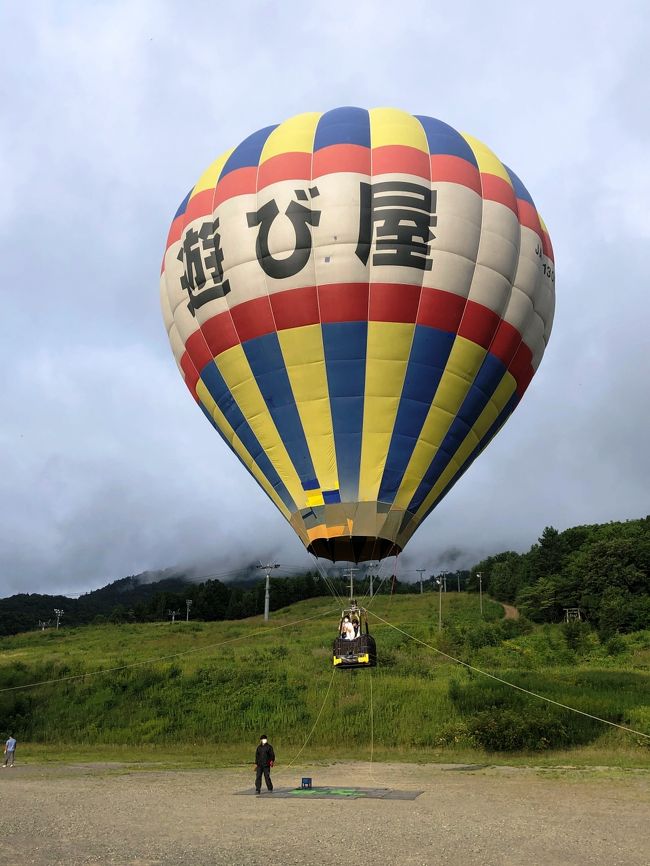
(232,680)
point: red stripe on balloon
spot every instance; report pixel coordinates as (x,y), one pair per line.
(497,189)
(343,302)
(253,318)
(393,302)
(506,342)
(442,310)
(400,159)
(521,369)
(547,246)
(190,374)
(197,348)
(284,166)
(219,333)
(295,308)
(241,181)
(454,169)
(175,230)
(199,205)
(478,324)
(528,216)
(342,157)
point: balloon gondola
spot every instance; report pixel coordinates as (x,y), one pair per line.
(357,301)
(354,647)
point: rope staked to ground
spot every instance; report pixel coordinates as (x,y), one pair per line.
(153,661)
(509,684)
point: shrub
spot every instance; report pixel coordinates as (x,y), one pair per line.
(615,646)
(507,730)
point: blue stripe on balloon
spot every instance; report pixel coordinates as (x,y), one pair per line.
(429,354)
(267,363)
(220,393)
(345,345)
(248,152)
(183,205)
(479,394)
(506,412)
(343,126)
(444,139)
(520,190)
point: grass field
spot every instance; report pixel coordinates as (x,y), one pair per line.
(201,693)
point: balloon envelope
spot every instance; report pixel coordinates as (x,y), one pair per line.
(357,300)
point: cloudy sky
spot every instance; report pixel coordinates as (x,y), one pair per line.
(109,112)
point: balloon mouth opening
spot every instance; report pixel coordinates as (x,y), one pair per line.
(353,548)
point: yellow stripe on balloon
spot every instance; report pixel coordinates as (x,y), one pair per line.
(390,126)
(304,358)
(210,176)
(463,364)
(295,135)
(497,403)
(488,162)
(389,346)
(238,376)
(238,447)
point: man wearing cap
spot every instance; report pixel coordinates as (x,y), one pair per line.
(264,760)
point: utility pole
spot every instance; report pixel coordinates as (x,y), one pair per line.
(353,571)
(479,574)
(444,577)
(173,614)
(268,568)
(59,614)
(439,579)
(188,605)
(458,579)
(371,565)
(421,571)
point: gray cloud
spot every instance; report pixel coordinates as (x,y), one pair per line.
(111,111)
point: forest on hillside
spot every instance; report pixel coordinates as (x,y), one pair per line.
(601,570)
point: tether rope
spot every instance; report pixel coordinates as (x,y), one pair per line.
(511,685)
(313,728)
(152,661)
(327,581)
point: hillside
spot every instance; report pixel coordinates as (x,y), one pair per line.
(602,570)
(220,683)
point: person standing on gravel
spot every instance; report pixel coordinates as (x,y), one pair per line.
(264,760)
(10,752)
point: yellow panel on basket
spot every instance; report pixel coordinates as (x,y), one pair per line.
(210,176)
(488,162)
(390,126)
(497,403)
(304,358)
(389,347)
(295,135)
(463,364)
(238,447)
(238,376)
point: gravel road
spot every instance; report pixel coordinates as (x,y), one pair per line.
(469,816)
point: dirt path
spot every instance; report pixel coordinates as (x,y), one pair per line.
(466,816)
(510,611)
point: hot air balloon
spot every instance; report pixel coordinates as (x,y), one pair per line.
(358,300)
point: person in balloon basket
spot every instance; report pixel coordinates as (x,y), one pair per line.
(264,760)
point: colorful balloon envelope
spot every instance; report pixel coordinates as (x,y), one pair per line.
(357,300)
